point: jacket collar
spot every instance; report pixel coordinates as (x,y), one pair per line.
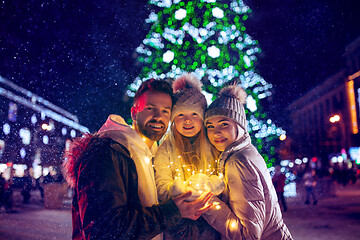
(232,148)
(117,129)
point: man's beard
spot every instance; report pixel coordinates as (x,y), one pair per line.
(148,132)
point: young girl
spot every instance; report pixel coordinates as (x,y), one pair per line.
(186,153)
(248,208)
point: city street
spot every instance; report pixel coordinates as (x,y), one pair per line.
(333,218)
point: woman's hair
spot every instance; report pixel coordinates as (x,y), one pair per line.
(194,155)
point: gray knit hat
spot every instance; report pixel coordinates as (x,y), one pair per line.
(188,96)
(229,103)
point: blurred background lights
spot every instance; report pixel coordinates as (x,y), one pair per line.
(25,135)
(46,127)
(213,52)
(217,12)
(6,128)
(63,131)
(73,133)
(180,14)
(335,118)
(282,137)
(33,119)
(298,161)
(251,103)
(45,139)
(22,152)
(168,56)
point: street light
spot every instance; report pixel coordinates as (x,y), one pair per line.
(335,118)
(282,137)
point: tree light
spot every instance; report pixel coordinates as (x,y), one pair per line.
(168,56)
(180,14)
(213,52)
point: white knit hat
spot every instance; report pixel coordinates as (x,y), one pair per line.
(188,96)
(229,103)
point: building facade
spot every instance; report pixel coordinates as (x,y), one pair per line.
(33,131)
(325,121)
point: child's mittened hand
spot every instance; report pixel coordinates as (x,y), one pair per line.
(177,188)
(216,185)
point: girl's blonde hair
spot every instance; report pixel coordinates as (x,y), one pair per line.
(195,156)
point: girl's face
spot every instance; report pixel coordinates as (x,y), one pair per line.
(222,132)
(188,123)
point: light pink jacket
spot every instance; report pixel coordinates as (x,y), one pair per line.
(248,208)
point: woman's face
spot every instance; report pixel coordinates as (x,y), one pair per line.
(188,123)
(221,132)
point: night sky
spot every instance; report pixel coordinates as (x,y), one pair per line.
(79,54)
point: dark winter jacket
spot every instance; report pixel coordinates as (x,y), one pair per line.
(106,203)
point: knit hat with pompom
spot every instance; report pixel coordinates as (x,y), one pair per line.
(188,96)
(229,103)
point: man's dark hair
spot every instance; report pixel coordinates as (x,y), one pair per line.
(154,85)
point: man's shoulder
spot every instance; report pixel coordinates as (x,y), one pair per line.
(107,143)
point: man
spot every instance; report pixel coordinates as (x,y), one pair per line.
(115,195)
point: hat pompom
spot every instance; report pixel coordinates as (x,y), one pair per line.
(186,81)
(234,91)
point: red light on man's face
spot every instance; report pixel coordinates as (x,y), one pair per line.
(151,114)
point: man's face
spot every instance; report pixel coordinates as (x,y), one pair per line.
(151,114)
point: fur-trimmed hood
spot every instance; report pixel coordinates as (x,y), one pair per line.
(115,128)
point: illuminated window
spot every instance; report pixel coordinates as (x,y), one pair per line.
(45,139)
(63,131)
(22,152)
(25,136)
(12,115)
(33,119)
(6,128)
(73,133)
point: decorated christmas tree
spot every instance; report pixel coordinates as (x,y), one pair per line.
(208,38)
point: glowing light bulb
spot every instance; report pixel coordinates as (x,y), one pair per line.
(232,224)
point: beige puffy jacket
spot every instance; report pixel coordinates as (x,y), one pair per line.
(248,208)
(169,166)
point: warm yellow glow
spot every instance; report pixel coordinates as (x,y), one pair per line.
(355,75)
(44,126)
(351,96)
(144,139)
(335,118)
(282,137)
(147,160)
(221,175)
(217,207)
(232,223)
